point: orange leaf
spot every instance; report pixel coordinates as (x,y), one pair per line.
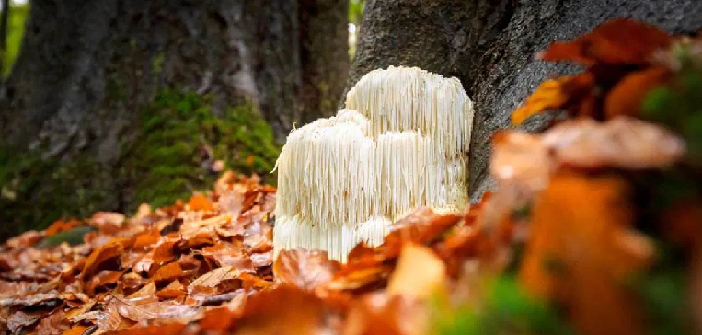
(581,251)
(168,272)
(627,96)
(173,290)
(200,203)
(109,251)
(76,330)
(61,225)
(617,41)
(249,160)
(555,94)
(305,269)
(419,273)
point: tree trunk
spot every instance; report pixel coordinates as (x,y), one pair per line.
(89,70)
(489,45)
(324,36)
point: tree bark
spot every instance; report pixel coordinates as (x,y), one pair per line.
(489,45)
(324,36)
(87,69)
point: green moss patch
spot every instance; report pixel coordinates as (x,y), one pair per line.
(182,137)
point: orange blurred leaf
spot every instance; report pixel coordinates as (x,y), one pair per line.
(305,269)
(200,203)
(582,243)
(627,96)
(419,273)
(168,272)
(554,94)
(617,41)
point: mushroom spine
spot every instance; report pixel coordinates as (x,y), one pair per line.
(400,144)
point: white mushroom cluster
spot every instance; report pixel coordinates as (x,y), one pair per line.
(401,144)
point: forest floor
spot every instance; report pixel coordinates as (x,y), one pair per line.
(595,228)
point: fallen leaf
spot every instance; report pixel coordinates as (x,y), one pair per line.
(305,269)
(419,273)
(20,319)
(112,250)
(627,96)
(210,280)
(581,243)
(617,41)
(76,330)
(621,142)
(168,272)
(172,290)
(157,310)
(200,203)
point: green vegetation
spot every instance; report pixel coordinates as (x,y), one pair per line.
(505,310)
(182,137)
(15,31)
(178,139)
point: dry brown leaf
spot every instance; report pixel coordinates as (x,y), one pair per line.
(172,290)
(156,310)
(21,319)
(226,254)
(419,273)
(168,272)
(617,41)
(208,281)
(101,279)
(548,95)
(621,142)
(520,159)
(26,240)
(305,269)
(380,314)
(76,330)
(61,225)
(111,251)
(582,243)
(283,310)
(200,203)
(627,96)
(54,324)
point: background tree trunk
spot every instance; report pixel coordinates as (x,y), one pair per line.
(324,36)
(489,46)
(87,71)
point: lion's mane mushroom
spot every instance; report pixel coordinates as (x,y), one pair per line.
(401,144)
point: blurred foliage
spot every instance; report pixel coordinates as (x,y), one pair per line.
(15,31)
(679,106)
(182,138)
(507,309)
(356,11)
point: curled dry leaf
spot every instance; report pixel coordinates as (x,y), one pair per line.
(617,41)
(622,142)
(582,242)
(26,240)
(305,269)
(555,94)
(208,281)
(520,158)
(419,273)
(200,203)
(380,314)
(627,96)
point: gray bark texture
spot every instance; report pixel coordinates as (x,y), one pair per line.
(489,46)
(87,68)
